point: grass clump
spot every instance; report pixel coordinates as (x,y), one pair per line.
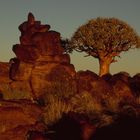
(54,108)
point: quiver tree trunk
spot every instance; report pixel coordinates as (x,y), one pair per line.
(104,67)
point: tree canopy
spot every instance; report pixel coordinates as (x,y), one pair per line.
(105,38)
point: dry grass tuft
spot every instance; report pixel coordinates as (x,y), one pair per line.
(55,108)
(85,103)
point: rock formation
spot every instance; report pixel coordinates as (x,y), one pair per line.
(42,67)
(19,117)
(4,72)
(120,85)
(93,84)
(40,64)
(135,85)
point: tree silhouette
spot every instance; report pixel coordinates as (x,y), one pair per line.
(104,39)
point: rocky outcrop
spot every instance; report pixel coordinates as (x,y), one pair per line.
(120,85)
(135,85)
(93,84)
(19,117)
(4,72)
(124,128)
(40,65)
(40,68)
(40,54)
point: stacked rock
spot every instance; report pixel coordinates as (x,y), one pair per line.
(40,59)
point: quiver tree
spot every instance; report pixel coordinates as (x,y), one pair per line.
(104,39)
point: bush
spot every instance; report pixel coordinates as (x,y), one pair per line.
(55,107)
(85,103)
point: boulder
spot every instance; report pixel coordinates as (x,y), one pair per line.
(135,85)
(84,79)
(26,53)
(4,72)
(120,85)
(22,132)
(124,76)
(20,71)
(17,118)
(48,43)
(53,78)
(4,78)
(16,90)
(93,84)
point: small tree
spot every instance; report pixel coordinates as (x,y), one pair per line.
(104,39)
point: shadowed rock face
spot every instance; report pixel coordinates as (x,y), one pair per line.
(120,84)
(4,76)
(72,127)
(124,76)
(84,79)
(125,129)
(135,85)
(93,84)
(4,72)
(36,135)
